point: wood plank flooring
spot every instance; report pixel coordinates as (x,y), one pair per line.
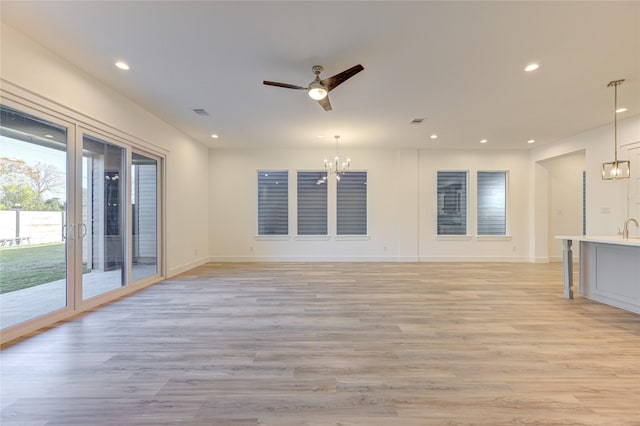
(334,344)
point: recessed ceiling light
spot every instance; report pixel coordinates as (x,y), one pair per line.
(531,67)
(214,136)
(320,136)
(483,141)
(434,136)
(531,141)
(619,110)
(48,136)
(122,65)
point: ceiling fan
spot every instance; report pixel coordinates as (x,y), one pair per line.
(319,89)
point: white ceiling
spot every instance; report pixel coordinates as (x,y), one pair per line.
(457,64)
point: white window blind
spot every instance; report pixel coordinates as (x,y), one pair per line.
(452,203)
(352,204)
(492,205)
(312,204)
(273,203)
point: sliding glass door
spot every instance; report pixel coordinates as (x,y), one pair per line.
(79,217)
(34,235)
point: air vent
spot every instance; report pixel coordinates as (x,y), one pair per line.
(200,111)
(417,121)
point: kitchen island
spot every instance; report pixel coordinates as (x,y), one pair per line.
(609,270)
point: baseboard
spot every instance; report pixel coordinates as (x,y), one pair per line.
(538,260)
(319,259)
(186,267)
(479,259)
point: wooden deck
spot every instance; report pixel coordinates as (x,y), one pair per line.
(334,344)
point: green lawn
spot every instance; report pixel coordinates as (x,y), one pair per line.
(28,266)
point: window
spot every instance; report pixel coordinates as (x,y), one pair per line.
(492,206)
(452,203)
(273,203)
(352,204)
(312,203)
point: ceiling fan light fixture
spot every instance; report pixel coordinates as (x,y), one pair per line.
(317,91)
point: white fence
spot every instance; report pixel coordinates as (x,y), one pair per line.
(27,227)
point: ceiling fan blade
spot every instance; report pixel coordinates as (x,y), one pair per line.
(332,82)
(285,85)
(324,102)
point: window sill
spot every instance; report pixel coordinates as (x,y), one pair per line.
(454,237)
(271,237)
(352,237)
(493,237)
(312,237)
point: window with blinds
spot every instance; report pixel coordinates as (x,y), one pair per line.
(273,203)
(312,203)
(352,204)
(492,203)
(452,203)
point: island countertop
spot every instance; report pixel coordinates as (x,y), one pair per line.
(609,269)
(606,239)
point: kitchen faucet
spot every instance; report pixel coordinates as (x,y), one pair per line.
(625,233)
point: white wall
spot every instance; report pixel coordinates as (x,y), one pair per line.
(45,79)
(564,189)
(401,206)
(513,247)
(233,206)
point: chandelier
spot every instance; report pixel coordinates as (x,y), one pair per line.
(615,169)
(335,167)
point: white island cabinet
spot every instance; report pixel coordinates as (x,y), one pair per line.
(609,270)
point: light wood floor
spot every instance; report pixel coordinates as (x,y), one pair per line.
(335,344)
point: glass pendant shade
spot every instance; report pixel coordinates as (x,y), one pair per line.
(615,170)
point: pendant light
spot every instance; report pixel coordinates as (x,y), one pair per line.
(616,169)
